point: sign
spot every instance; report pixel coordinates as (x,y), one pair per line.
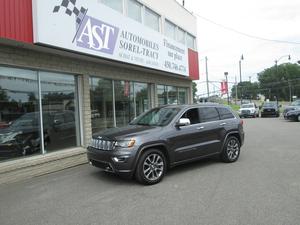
(224,87)
(92,28)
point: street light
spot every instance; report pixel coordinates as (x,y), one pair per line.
(277,60)
(276,68)
(240,69)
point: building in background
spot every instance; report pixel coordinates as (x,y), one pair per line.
(71,68)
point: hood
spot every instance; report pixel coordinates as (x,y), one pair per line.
(269,107)
(127,132)
(296,111)
(292,107)
(247,108)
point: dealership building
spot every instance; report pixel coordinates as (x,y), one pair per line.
(71,68)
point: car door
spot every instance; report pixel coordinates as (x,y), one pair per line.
(184,140)
(212,131)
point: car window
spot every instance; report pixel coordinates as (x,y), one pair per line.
(225,113)
(192,115)
(208,114)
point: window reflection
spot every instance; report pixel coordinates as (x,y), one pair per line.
(182,95)
(162,95)
(141,93)
(59,111)
(171,95)
(101,93)
(124,102)
(19,113)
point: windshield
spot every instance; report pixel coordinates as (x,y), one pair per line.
(156,117)
(269,104)
(247,106)
(296,103)
(27,120)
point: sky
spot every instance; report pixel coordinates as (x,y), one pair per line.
(268,19)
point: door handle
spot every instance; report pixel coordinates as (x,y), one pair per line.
(222,124)
(200,128)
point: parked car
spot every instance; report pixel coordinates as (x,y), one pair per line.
(22,136)
(294,106)
(270,109)
(249,110)
(167,136)
(293,115)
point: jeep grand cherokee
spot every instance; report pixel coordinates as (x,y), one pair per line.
(167,136)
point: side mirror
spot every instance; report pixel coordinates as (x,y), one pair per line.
(183,122)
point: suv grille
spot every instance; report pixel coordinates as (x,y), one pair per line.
(103,144)
(245,111)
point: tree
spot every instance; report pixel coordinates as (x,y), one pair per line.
(194,91)
(248,89)
(281,82)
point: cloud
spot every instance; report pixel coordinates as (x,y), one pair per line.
(271,19)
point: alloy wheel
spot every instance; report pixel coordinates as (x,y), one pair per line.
(153,167)
(232,149)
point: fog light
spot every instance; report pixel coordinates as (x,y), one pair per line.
(119,158)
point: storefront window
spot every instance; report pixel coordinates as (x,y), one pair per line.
(162,95)
(114,4)
(182,95)
(172,95)
(134,10)
(124,102)
(60,114)
(101,93)
(151,19)
(19,113)
(170,29)
(141,96)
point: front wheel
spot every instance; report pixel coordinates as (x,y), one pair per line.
(151,167)
(231,150)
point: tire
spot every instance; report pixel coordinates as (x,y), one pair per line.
(298,118)
(231,150)
(151,167)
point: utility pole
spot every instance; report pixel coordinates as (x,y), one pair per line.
(240,68)
(207,82)
(236,94)
(226,74)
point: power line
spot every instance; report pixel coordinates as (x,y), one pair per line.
(246,34)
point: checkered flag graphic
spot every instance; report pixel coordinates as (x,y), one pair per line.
(70,6)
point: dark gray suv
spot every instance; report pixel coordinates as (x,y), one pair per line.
(167,136)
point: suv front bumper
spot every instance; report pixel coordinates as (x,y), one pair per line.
(115,161)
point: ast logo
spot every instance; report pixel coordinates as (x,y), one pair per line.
(97,35)
(91,33)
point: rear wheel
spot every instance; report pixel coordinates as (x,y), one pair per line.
(231,150)
(151,167)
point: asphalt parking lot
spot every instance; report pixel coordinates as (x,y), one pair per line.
(262,187)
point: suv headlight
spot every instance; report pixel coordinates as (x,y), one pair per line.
(125,143)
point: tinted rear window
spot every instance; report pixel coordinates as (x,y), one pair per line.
(225,113)
(208,114)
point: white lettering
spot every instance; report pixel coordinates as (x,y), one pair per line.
(87,31)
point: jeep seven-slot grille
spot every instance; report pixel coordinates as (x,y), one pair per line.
(103,144)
